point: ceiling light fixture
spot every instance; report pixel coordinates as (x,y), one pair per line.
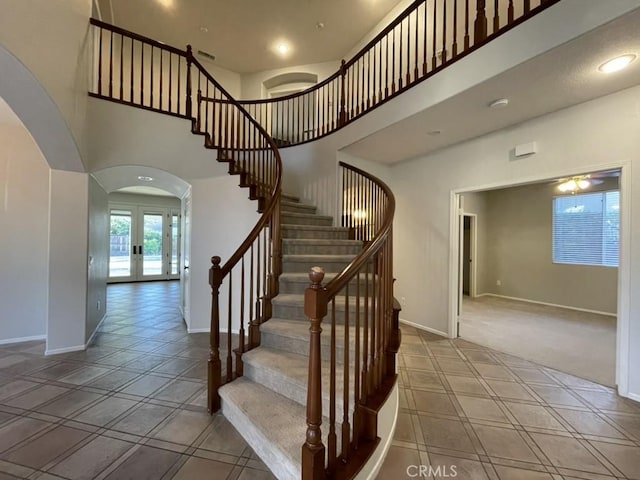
(283,48)
(144,178)
(166,3)
(617,64)
(574,184)
(320,25)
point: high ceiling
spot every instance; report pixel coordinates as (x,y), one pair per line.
(244,34)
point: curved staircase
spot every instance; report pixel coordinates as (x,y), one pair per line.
(268,404)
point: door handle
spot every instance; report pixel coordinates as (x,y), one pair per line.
(134,250)
(140,249)
(186,268)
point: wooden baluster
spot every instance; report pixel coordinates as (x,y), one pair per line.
(527,6)
(480,25)
(188,81)
(496,16)
(454,47)
(100,64)
(161,75)
(409,49)
(393,62)
(425,42)
(178,89)
(332,440)
(415,63)
(466,25)
(343,112)
(198,112)
(151,79)
(170,81)
(229,330)
(240,350)
(214,366)
(365,342)
(386,66)
(434,57)
(121,66)
(131,98)
(111,65)
(443,52)
(346,427)
(356,368)
(368,79)
(400,59)
(510,13)
(315,308)
(141,73)
(380,71)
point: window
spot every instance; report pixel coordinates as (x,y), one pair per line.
(586,229)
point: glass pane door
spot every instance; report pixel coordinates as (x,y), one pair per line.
(175,238)
(152,251)
(121,265)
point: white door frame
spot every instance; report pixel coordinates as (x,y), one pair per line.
(624,270)
(473,246)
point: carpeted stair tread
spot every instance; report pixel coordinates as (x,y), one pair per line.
(273,425)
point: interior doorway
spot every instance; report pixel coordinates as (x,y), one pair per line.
(540,282)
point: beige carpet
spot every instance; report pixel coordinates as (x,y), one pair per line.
(579,343)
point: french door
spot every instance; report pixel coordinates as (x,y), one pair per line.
(144,243)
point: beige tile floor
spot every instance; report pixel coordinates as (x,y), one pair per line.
(496,416)
(132,407)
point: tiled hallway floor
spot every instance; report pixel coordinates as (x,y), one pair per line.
(132,407)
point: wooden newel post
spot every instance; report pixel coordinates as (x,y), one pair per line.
(214,365)
(343,112)
(480,25)
(315,307)
(189,61)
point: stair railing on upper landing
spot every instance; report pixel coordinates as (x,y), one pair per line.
(426,37)
(363,336)
(138,71)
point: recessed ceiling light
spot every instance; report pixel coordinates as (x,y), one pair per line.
(500,103)
(283,48)
(320,25)
(616,64)
(144,178)
(166,3)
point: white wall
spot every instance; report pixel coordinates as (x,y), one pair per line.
(98,260)
(24,254)
(215,230)
(50,39)
(121,135)
(578,139)
(68,253)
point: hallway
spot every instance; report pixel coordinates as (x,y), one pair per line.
(131,406)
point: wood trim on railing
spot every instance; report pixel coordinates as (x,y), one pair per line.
(136,36)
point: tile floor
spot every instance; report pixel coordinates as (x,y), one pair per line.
(496,416)
(132,407)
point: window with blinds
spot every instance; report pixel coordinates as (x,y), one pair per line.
(586,229)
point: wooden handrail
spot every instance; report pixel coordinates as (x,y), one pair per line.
(370,319)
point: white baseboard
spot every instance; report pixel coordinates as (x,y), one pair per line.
(22,339)
(198,330)
(57,351)
(634,396)
(586,310)
(423,327)
(95,332)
